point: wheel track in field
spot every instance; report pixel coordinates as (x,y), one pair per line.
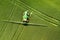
(4,29)
(20,33)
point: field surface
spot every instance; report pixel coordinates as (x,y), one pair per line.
(45,12)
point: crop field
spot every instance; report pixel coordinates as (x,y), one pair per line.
(46,12)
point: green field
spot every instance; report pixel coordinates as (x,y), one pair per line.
(45,12)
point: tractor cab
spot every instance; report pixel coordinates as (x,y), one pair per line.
(26,17)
